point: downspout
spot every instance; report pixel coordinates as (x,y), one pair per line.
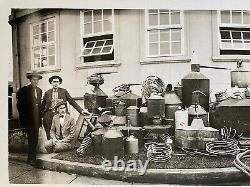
(15,52)
(16,62)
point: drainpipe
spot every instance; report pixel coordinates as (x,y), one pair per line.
(15,51)
(16,62)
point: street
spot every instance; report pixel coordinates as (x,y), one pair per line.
(22,173)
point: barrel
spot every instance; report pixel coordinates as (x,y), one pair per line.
(131,145)
(133,115)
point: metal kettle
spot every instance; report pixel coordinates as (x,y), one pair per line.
(196,110)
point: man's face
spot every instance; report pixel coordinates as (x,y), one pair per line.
(34,81)
(55,83)
(61,109)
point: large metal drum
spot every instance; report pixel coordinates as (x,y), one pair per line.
(156,106)
(133,115)
(112,144)
(195,81)
(97,140)
(172,103)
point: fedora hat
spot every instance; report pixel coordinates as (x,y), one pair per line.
(31,74)
(55,77)
(61,103)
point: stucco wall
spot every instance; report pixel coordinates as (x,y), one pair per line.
(129,31)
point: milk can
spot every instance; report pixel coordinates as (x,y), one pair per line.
(120,109)
(156,106)
(96,137)
(181,118)
(112,144)
(131,145)
(133,115)
(172,102)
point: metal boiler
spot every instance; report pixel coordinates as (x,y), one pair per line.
(196,110)
(195,81)
(172,103)
(133,115)
(113,144)
(96,99)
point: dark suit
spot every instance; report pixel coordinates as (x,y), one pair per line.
(48,111)
(29,108)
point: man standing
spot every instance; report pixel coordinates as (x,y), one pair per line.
(62,131)
(51,98)
(29,108)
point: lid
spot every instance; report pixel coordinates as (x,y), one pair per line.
(104,118)
(99,132)
(132,138)
(130,95)
(171,98)
(113,133)
(155,96)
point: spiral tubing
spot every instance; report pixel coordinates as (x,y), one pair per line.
(85,145)
(158,152)
(152,84)
(240,165)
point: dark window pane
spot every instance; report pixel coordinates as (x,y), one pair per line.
(236,35)
(106,49)
(109,42)
(43,27)
(99,43)
(246,35)
(96,50)
(225,35)
(90,44)
(44,38)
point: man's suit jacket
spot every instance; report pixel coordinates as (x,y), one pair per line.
(68,129)
(29,106)
(62,94)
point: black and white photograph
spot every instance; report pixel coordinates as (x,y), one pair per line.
(128,96)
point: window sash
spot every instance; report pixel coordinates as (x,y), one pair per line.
(102,47)
(231,34)
(103,23)
(43,53)
(163,47)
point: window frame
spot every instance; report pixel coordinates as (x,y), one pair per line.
(109,63)
(147,28)
(216,24)
(46,19)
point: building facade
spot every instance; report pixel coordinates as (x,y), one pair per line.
(132,43)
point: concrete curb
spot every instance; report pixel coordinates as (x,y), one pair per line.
(210,176)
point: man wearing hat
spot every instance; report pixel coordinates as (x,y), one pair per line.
(62,131)
(50,100)
(29,108)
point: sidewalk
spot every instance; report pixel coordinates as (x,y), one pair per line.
(210,176)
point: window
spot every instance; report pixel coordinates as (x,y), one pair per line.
(43,44)
(164,33)
(97,35)
(234,32)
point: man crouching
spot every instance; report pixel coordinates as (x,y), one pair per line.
(62,130)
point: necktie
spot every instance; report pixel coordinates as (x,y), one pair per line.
(60,136)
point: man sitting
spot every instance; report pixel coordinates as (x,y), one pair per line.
(62,130)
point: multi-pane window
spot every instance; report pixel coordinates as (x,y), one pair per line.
(43,44)
(234,29)
(97,35)
(164,32)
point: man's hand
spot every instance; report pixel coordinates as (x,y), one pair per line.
(85,112)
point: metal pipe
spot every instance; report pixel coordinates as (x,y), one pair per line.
(213,67)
